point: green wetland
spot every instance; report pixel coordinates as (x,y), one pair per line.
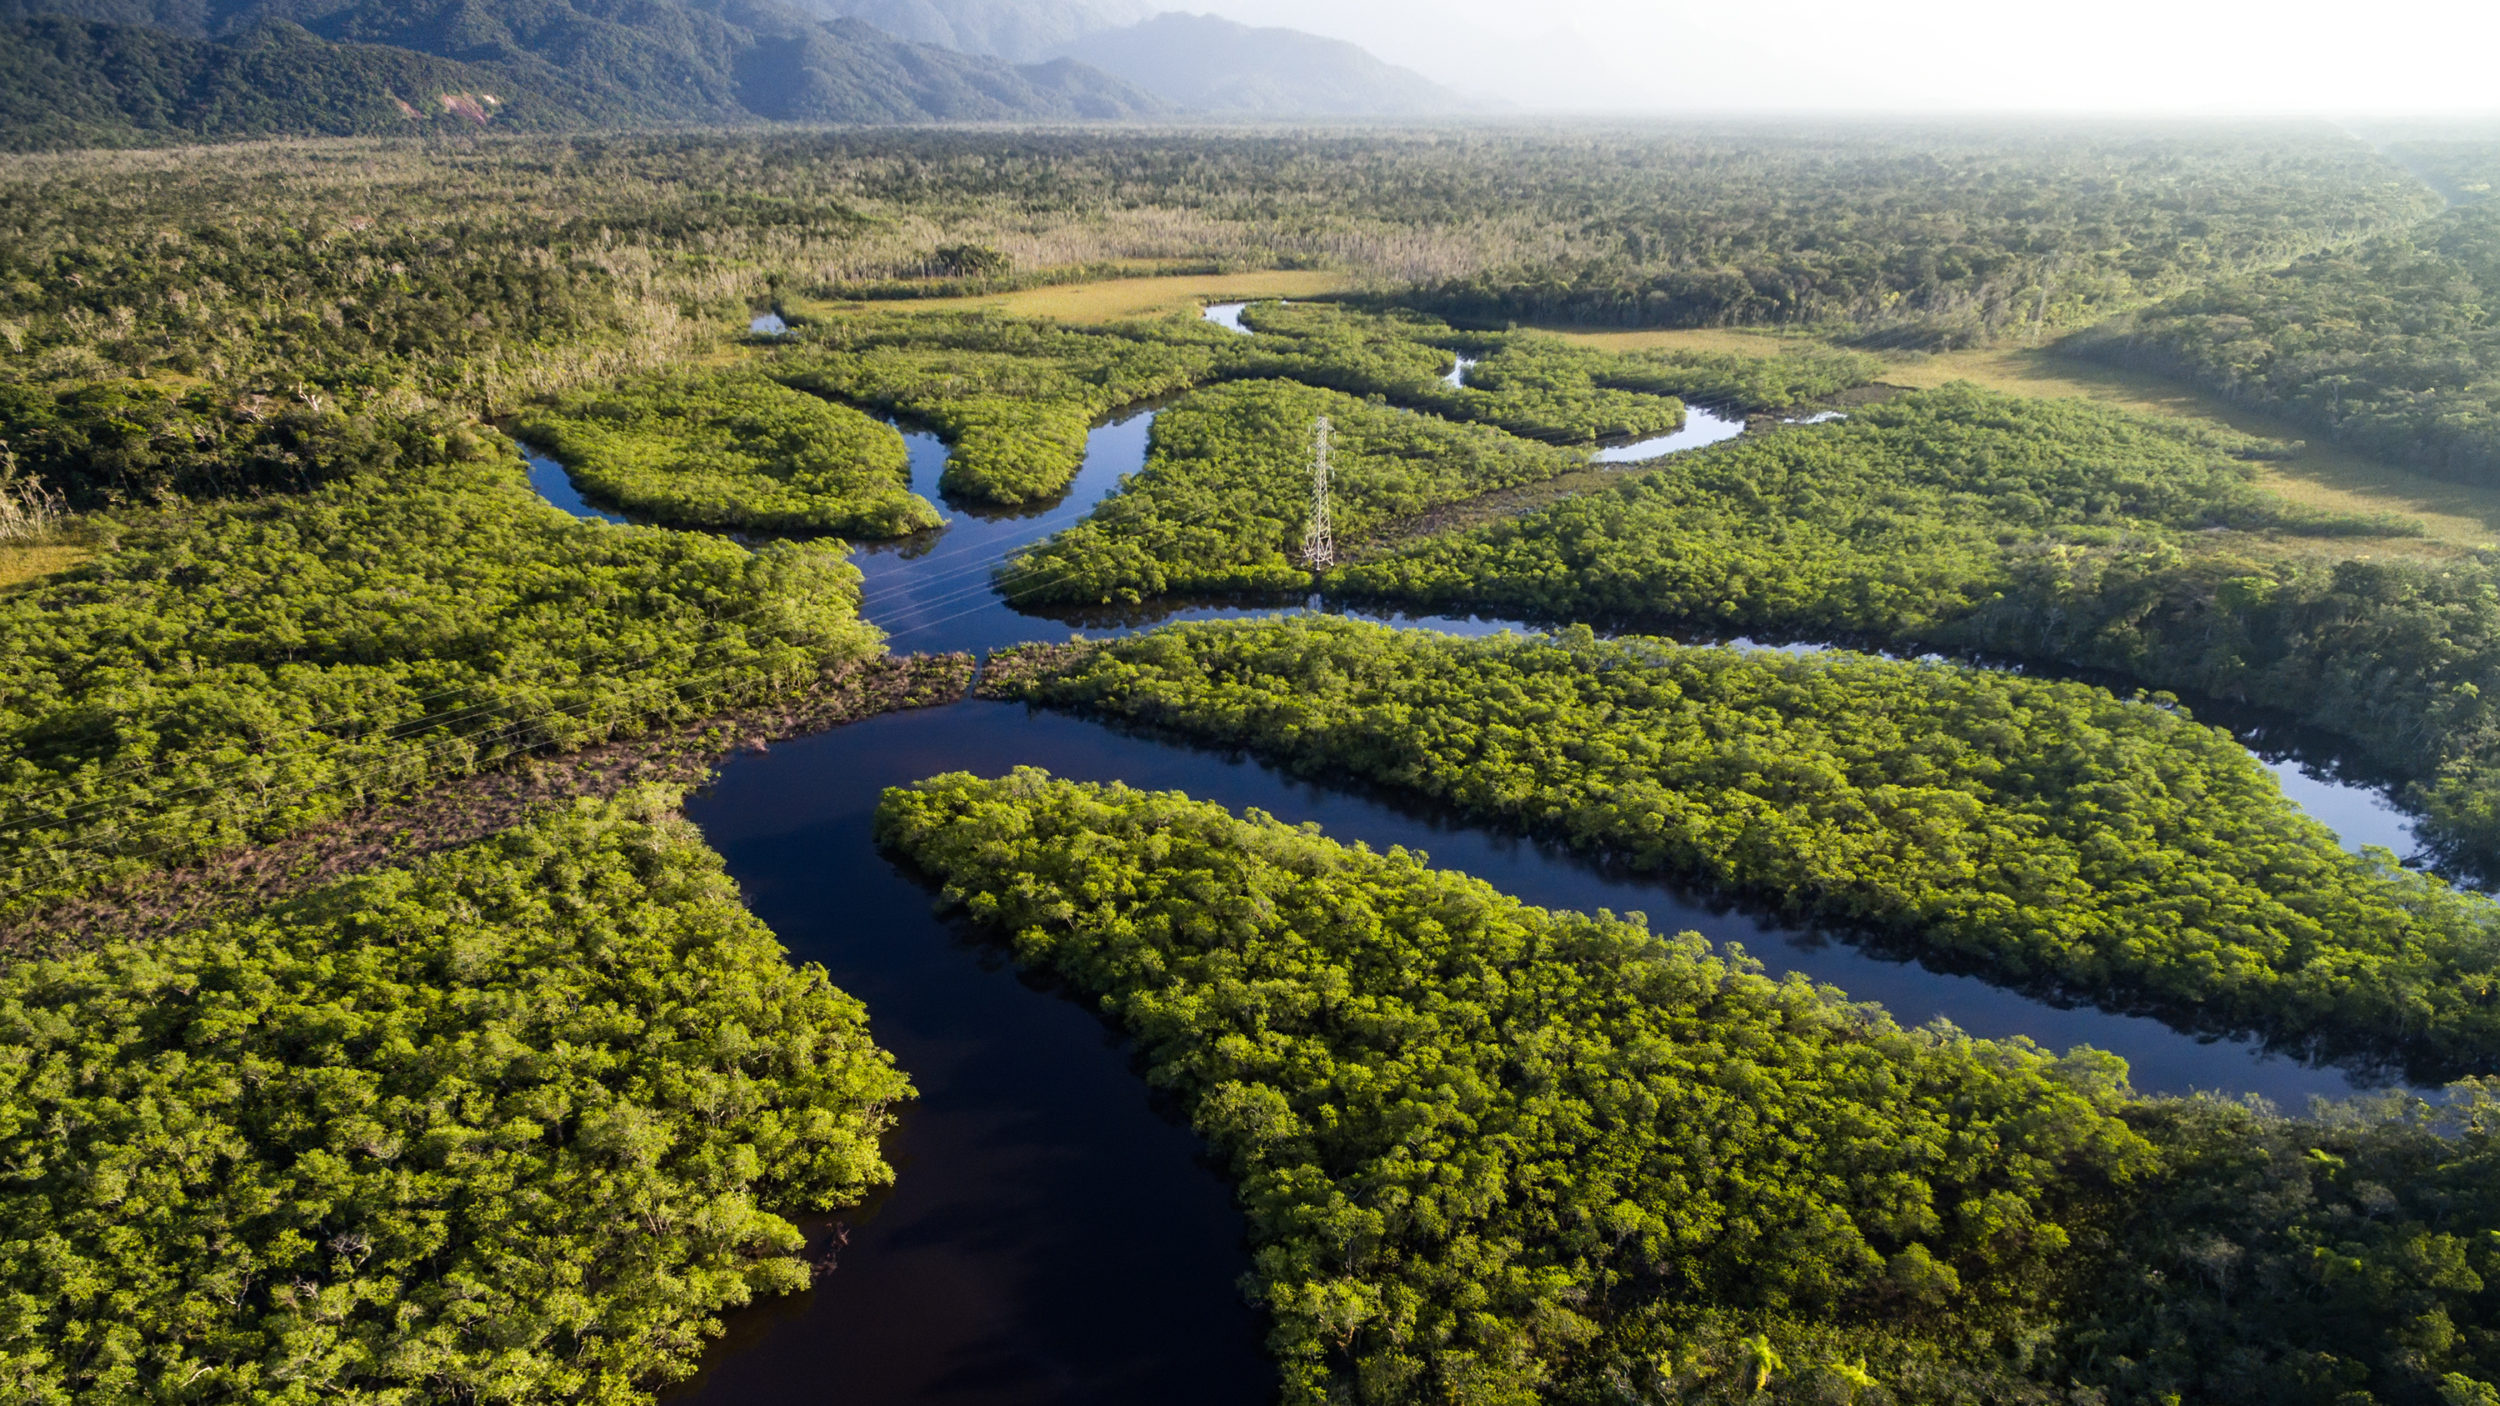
(1003,1080)
(894,871)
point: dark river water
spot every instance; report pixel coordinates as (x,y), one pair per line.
(1052,1236)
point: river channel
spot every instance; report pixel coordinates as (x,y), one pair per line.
(1053,1237)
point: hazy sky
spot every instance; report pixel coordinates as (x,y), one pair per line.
(1930,55)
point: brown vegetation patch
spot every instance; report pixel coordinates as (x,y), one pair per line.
(22,564)
(1490,507)
(1009,670)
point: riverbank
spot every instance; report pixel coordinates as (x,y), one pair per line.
(467,809)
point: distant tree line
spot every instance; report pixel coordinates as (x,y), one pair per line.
(2391,346)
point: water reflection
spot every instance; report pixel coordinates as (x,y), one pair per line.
(556,486)
(1701,426)
(2359,815)
(932,592)
(1227,315)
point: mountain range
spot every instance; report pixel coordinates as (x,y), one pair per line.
(1019,31)
(103,72)
(1205,63)
(1198,63)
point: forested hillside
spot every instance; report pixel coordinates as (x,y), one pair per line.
(67,83)
(2391,346)
(303,67)
(1206,63)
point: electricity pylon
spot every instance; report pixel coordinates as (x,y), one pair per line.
(1319,544)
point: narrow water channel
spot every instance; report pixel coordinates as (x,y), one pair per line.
(1701,426)
(1227,315)
(1052,1238)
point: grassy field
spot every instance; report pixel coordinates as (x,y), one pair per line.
(1113,299)
(1716,339)
(2321,475)
(26,563)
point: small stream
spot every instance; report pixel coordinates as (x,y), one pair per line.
(1052,1237)
(1701,426)
(1228,315)
(556,486)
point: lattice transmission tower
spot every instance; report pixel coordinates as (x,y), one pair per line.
(1319,542)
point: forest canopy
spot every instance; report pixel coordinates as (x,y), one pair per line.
(2049,834)
(1495,1154)
(231,672)
(504,1125)
(733,448)
(2391,346)
(521,1121)
(1225,494)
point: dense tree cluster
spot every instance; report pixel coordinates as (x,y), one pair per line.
(1533,386)
(2349,1256)
(500,1127)
(2402,659)
(2050,833)
(463,270)
(2391,346)
(733,448)
(1530,384)
(120,440)
(1907,514)
(2045,530)
(1944,243)
(234,671)
(1492,1154)
(1013,397)
(1225,495)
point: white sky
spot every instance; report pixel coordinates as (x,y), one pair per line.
(2186,56)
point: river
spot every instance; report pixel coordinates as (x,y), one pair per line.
(1052,1237)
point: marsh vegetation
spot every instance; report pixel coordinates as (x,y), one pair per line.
(266,563)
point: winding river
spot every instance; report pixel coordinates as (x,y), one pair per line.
(1052,1236)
